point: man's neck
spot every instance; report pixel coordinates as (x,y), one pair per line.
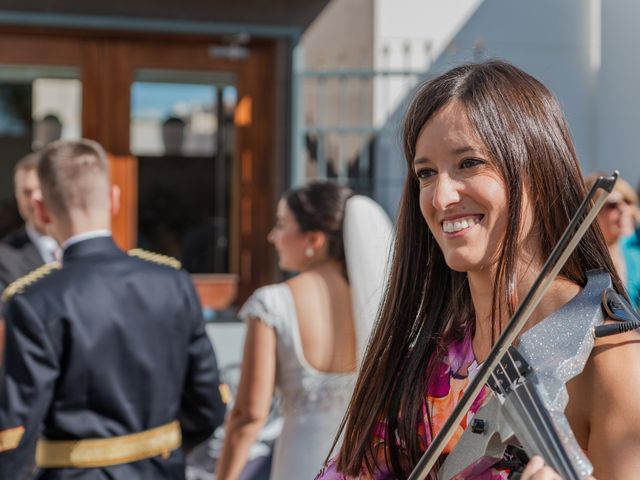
(78,224)
(85,235)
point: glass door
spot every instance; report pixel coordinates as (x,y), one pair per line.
(182,132)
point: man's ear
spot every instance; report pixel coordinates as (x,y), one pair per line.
(41,211)
(114,198)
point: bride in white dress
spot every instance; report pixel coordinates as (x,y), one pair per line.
(305,337)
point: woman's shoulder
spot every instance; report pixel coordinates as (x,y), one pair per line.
(612,377)
(268,304)
(617,357)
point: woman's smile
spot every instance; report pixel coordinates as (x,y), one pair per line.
(456,226)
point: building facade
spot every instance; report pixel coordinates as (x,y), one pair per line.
(190,99)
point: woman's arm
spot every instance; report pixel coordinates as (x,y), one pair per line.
(253,400)
(614,414)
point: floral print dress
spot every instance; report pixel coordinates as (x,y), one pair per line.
(451,378)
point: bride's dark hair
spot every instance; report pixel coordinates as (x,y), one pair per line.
(427,304)
(319,206)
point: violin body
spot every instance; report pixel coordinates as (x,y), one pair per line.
(530,395)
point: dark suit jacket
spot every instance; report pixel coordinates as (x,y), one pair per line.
(12,265)
(28,251)
(107,345)
(18,256)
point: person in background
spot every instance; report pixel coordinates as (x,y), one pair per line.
(47,130)
(305,336)
(616,221)
(29,247)
(492,182)
(106,354)
(631,253)
(173,133)
(31,241)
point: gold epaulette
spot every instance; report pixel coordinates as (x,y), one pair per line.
(155,258)
(23,282)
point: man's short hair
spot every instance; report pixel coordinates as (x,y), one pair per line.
(27,163)
(74,175)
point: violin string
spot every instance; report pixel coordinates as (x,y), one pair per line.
(525,385)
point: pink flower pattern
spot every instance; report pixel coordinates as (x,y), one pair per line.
(451,377)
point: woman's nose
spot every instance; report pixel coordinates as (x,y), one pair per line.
(446,192)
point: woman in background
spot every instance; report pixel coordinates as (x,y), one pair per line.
(305,335)
(617,222)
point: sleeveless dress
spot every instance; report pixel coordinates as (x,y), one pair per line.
(451,378)
(313,402)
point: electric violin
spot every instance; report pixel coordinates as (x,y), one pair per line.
(526,412)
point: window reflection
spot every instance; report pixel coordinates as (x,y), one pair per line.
(38,104)
(182,133)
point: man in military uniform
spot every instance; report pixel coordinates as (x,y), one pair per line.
(106,355)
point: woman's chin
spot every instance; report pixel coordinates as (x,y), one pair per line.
(463,264)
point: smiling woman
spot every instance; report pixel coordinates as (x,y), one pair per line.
(462,196)
(493,180)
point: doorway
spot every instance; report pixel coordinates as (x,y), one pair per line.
(188,133)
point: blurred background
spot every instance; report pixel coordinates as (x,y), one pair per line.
(211,109)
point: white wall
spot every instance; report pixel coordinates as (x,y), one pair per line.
(551,40)
(410,34)
(618,120)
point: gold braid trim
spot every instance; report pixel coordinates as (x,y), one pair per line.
(155,258)
(23,282)
(10,438)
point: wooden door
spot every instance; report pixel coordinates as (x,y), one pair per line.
(109,65)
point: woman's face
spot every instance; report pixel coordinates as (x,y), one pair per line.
(616,218)
(462,197)
(290,243)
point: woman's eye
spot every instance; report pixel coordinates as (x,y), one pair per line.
(425,173)
(471,162)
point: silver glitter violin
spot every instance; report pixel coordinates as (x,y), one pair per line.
(526,411)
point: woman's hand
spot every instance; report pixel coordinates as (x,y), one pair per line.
(537,470)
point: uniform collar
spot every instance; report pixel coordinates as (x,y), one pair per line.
(89,246)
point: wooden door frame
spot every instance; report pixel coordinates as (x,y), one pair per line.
(107,62)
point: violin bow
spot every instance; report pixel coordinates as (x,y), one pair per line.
(558,257)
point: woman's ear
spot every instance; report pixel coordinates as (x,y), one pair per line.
(318,240)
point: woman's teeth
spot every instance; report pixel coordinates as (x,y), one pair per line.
(458,225)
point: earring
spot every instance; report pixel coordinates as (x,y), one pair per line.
(309,252)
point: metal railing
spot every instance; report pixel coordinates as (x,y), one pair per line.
(335,128)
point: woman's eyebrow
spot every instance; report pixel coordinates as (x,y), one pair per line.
(455,151)
(463,149)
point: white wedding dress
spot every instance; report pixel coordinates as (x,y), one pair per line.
(313,402)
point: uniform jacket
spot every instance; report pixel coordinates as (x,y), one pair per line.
(107,345)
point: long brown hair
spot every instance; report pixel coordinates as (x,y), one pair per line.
(427,304)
